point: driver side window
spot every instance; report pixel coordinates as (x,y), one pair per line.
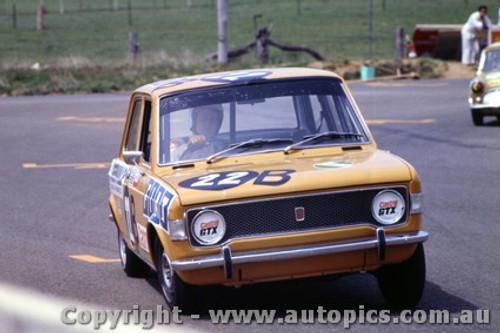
(139,133)
(133,131)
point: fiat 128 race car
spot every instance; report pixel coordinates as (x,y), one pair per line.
(260,175)
(484,97)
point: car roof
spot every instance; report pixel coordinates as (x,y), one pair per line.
(159,88)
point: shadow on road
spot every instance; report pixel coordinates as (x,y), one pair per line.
(344,293)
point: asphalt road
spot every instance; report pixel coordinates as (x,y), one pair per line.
(55,188)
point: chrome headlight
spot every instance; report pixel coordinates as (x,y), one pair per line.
(208,227)
(388,207)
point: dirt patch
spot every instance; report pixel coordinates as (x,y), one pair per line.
(458,71)
(424,68)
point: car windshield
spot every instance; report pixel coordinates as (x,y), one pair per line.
(266,116)
(490,61)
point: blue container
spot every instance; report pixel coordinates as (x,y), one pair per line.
(367,72)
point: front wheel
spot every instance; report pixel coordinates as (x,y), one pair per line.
(402,284)
(477,118)
(131,264)
(175,291)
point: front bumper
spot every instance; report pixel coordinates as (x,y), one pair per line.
(227,259)
(488,104)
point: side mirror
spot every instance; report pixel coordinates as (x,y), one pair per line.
(130,157)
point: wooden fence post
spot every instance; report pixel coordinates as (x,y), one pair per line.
(400,43)
(39,17)
(133,46)
(262,47)
(129,9)
(14,16)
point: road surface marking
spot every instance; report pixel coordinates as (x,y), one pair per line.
(67,165)
(401,121)
(92,119)
(91,259)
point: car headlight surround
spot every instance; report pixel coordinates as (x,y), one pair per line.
(208,227)
(388,207)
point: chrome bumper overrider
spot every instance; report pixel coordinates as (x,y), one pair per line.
(226,259)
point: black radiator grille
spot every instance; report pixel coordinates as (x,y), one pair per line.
(274,216)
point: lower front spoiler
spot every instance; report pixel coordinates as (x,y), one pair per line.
(226,259)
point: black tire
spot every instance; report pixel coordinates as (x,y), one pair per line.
(477,118)
(131,264)
(176,292)
(402,285)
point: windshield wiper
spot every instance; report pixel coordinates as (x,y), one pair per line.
(246,144)
(329,134)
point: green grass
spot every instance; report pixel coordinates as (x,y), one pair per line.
(175,37)
(168,28)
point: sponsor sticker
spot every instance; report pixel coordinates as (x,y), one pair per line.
(117,174)
(157,200)
(134,177)
(388,207)
(209,227)
(238,76)
(333,165)
(143,237)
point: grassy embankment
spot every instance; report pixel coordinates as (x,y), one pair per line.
(85,49)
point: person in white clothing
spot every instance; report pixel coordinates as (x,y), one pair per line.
(470,47)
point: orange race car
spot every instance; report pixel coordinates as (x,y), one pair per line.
(249,176)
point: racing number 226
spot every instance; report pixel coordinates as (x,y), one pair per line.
(226,180)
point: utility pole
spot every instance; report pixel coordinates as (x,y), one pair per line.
(222,29)
(370,29)
(61,7)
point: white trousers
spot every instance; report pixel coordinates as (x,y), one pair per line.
(470,50)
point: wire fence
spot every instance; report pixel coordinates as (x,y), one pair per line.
(98,29)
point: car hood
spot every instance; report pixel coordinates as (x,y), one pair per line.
(490,79)
(287,176)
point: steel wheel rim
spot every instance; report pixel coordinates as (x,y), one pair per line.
(167,277)
(123,250)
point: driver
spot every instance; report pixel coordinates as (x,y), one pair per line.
(206,123)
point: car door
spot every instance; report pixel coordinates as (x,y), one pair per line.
(135,184)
